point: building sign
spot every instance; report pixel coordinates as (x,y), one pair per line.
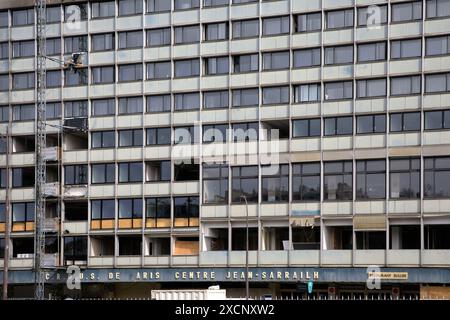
(388,275)
(219,274)
(238,274)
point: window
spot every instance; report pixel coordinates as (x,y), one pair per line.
(246,63)
(130,72)
(130,105)
(371,88)
(130,209)
(187,68)
(245,97)
(186,4)
(409,121)
(4,50)
(215,99)
(158,136)
(185,211)
(186,135)
(102,75)
(103,209)
(339,19)
(158,37)
(404,178)
(406,11)
(370,179)
(307,58)
(103,42)
(216,31)
(130,172)
(245,29)
(76,174)
(214,3)
(405,85)
(52,110)
(159,210)
(75,44)
(276,60)
(371,124)
(339,55)
(406,48)
(275,186)
(216,65)
(130,245)
(22,211)
(154,6)
(4,82)
(4,113)
(75,79)
(53,46)
(437,120)
(372,52)
(187,101)
(2,209)
(307,93)
(103,173)
(339,90)
(215,133)
(103,107)
(366,16)
(306,181)
(130,138)
(338,126)
(437,83)
(370,240)
(248,131)
(130,39)
(4,19)
(23,81)
(244,183)
(103,139)
(159,103)
(159,70)
(308,22)
(277,25)
(188,34)
(436,177)
(306,128)
(53,78)
(215,184)
(23,177)
(157,171)
(338,181)
(75,109)
(53,14)
(130,7)
(23,112)
(75,248)
(435,46)
(438,8)
(103,9)
(275,95)
(22,17)
(22,49)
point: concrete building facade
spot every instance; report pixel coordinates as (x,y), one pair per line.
(158,145)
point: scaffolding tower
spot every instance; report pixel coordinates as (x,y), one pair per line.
(41,142)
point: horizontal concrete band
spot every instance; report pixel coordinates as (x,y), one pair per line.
(271,274)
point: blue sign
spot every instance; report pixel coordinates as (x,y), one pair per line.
(310,287)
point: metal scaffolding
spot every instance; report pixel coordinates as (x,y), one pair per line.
(41,143)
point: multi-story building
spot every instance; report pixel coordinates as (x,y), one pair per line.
(358,92)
